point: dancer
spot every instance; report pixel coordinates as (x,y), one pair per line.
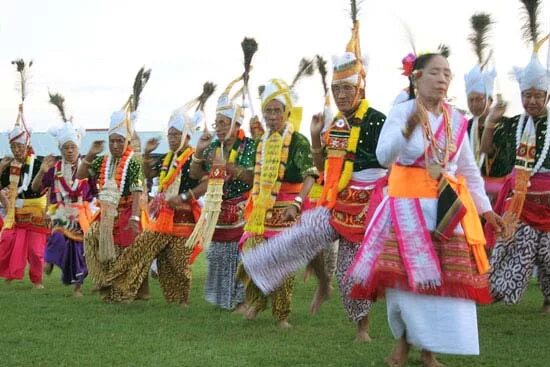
(69,199)
(352,172)
(525,139)
(120,184)
(479,83)
(25,231)
(424,248)
(239,153)
(283,176)
(170,218)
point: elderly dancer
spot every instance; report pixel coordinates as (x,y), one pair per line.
(120,185)
(424,248)
(239,152)
(526,140)
(283,176)
(170,218)
(479,83)
(24,232)
(68,198)
(351,173)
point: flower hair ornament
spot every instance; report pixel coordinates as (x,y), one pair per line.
(408,64)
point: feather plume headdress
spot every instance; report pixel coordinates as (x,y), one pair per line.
(122,121)
(227,105)
(350,67)
(186,120)
(479,79)
(534,75)
(66,131)
(20,132)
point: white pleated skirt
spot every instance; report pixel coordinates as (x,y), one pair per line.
(437,324)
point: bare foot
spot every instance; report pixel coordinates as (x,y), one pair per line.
(251,313)
(546,307)
(321,295)
(283,324)
(363,337)
(363,331)
(428,359)
(143,292)
(240,309)
(307,273)
(38,286)
(48,268)
(399,355)
(184,305)
(96,288)
(77,293)
(143,297)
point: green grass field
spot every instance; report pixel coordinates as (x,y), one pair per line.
(51,328)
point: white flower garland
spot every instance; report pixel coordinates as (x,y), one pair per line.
(68,176)
(124,170)
(27,176)
(545,147)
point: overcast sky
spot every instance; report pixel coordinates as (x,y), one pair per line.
(90,50)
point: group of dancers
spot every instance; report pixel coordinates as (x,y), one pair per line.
(434,212)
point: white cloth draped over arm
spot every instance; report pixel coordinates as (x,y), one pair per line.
(391,140)
(467,167)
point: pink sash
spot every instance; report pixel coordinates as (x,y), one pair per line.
(406,216)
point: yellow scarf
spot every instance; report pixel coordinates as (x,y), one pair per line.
(339,162)
(271,159)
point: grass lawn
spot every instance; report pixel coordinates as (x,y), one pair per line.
(51,328)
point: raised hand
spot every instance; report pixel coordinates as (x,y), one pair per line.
(5,162)
(96,148)
(151,145)
(317,124)
(204,142)
(497,110)
(47,163)
(256,128)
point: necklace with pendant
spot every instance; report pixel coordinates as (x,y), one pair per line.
(439,154)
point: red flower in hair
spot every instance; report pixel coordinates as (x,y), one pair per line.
(408,64)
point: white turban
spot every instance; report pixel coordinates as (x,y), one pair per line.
(347,69)
(277,89)
(19,135)
(67,132)
(479,81)
(227,108)
(534,75)
(181,121)
(122,123)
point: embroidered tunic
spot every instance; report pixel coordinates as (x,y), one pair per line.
(504,141)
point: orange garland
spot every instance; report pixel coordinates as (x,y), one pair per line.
(119,169)
(173,172)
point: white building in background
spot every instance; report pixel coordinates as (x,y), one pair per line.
(45,144)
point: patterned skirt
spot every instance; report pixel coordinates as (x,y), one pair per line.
(127,275)
(512,264)
(97,269)
(356,309)
(222,287)
(459,278)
